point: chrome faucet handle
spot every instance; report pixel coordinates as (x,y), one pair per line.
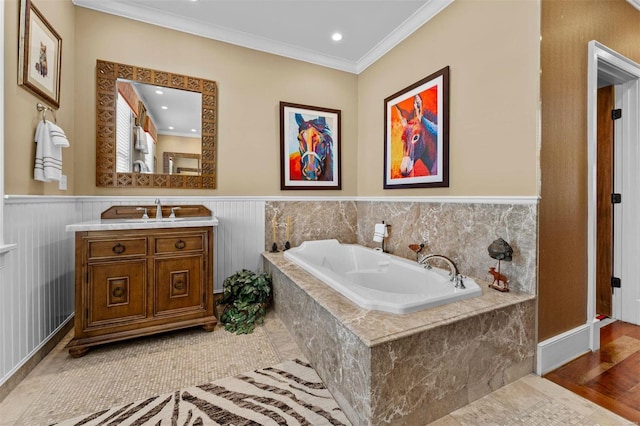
(173,211)
(145,215)
(460,282)
(158,209)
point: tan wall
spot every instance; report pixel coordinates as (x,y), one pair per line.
(21,116)
(567,27)
(493,50)
(250,86)
(493,100)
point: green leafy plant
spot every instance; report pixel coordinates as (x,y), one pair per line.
(245,297)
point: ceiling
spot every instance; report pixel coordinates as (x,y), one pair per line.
(173,111)
(298,29)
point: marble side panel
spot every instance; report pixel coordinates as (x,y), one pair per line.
(461,231)
(425,376)
(310,220)
(338,355)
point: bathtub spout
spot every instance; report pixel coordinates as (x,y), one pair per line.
(454,274)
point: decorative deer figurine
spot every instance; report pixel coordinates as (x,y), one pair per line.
(500,281)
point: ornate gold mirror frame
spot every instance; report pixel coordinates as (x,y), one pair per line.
(106,97)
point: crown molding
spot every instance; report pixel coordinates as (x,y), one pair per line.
(402,31)
(239,38)
(154,17)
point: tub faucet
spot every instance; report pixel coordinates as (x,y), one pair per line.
(158,209)
(454,275)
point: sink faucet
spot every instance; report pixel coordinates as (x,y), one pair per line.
(454,274)
(158,209)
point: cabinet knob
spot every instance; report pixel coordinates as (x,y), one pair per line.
(180,244)
(118,248)
(178,285)
(118,292)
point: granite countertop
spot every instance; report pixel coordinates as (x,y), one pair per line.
(375,327)
(125,224)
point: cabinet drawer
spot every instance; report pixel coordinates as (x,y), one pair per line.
(179,243)
(120,247)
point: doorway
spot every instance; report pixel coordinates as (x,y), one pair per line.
(605,225)
(614,189)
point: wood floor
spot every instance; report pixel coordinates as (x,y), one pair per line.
(610,377)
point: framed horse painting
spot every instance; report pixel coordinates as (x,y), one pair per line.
(416,139)
(309,147)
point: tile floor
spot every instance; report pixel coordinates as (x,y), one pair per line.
(61,387)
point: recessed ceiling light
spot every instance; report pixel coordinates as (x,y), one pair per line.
(164,107)
(193,130)
(336,36)
(171,127)
(159,92)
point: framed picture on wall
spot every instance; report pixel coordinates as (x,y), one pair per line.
(39,55)
(309,147)
(416,138)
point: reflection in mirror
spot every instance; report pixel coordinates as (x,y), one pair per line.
(152,120)
(181,163)
(134,132)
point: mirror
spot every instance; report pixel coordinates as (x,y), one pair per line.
(192,152)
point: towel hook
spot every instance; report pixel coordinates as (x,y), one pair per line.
(43,108)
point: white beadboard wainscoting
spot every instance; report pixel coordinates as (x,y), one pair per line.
(37,282)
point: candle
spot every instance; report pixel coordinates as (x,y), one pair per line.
(273,225)
(288,222)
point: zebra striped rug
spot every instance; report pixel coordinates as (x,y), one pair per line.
(290,393)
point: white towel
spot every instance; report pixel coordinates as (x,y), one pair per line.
(140,139)
(380,232)
(58,137)
(50,139)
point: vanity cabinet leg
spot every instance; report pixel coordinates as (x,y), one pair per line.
(78,351)
(209,327)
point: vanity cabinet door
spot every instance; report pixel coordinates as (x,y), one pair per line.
(116,293)
(179,286)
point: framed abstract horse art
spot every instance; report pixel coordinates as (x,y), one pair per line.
(416,148)
(309,147)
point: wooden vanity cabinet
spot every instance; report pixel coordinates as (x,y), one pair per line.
(133,283)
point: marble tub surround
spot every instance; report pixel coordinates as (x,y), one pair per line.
(461,231)
(405,369)
(310,220)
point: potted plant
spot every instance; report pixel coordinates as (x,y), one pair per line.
(245,297)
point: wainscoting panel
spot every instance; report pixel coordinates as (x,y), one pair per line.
(239,237)
(37,281)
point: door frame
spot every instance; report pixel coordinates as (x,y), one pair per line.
(625,75)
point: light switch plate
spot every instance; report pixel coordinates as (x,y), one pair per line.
(63,183)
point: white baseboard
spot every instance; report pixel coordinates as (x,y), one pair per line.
(560,349)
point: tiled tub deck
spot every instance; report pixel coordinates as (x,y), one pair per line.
(405,369)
